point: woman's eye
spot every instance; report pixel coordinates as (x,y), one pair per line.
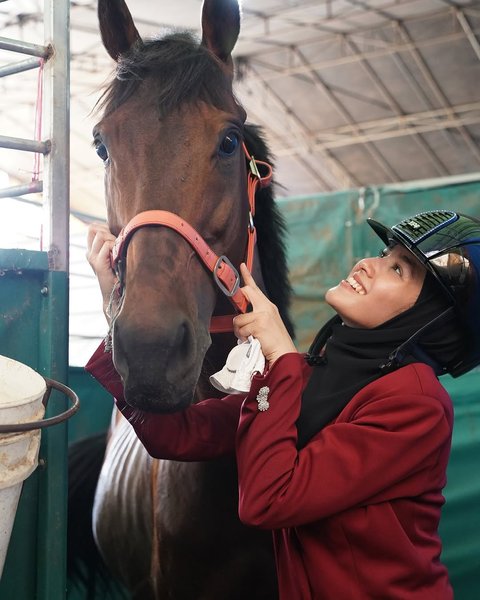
(229,143)
(102,151)
(398,269)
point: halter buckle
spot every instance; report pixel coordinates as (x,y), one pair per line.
(251,224)
(254,168)
(224,260)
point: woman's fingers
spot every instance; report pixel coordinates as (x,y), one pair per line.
(247,276)
(98,231)
(263,322)
(100,242)
(252,292)
(247,324)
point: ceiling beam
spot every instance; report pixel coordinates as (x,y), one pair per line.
(346,116)
(395,107)
(462,19)
(394,127)
(337,175)
(438,92)
(276,71)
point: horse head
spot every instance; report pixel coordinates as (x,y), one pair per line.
(171,138)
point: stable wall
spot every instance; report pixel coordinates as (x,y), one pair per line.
(33,317)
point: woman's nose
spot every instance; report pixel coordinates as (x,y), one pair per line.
(367,265)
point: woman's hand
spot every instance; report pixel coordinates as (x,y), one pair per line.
(99,245)
(264,322)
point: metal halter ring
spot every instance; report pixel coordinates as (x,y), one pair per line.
(221,285)
(31,425)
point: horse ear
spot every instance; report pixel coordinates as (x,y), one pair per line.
(116,27)
(220,27)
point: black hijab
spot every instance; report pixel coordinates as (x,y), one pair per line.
(346,359)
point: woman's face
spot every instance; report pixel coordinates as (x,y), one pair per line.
(378,288)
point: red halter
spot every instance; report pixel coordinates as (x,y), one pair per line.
(224,273)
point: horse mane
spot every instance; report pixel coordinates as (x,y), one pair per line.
(183,71)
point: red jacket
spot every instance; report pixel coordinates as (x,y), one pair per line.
(355,513)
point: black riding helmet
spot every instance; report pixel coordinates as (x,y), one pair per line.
(448,245)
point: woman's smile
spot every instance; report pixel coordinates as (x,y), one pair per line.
(354,282)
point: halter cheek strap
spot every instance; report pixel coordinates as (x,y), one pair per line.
(224,273)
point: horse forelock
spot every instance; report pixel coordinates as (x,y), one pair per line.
(179,71)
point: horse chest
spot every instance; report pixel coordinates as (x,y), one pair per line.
(178,520)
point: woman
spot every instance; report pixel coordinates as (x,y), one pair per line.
(342,452)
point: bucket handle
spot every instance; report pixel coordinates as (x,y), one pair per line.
(30,425)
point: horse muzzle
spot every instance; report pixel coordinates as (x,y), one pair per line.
(159,366)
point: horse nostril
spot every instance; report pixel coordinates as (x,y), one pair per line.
(183,339)
(170,345)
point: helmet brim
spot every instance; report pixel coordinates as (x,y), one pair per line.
(388,236)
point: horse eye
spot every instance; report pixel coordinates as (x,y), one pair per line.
(102,151)
(229,144)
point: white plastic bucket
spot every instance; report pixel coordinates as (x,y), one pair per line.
(21,394)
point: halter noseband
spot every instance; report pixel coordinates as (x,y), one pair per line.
(224,273)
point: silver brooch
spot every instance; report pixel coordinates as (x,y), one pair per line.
(262,400)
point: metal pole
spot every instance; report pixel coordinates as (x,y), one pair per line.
(20,67)
(25,47)
(18,190)
(52,542)
(25,145)
(56,117)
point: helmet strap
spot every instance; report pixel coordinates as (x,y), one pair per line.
(411,348)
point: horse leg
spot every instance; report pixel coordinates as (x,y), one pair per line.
(205,553)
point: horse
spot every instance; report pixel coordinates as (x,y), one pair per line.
(176,146)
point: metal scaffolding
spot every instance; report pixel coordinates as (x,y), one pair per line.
(54,57)
(384,47)
(34,308)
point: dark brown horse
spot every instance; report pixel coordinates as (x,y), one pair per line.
(171,137)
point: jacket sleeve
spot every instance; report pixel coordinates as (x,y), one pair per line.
(389,447)
(201,432)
